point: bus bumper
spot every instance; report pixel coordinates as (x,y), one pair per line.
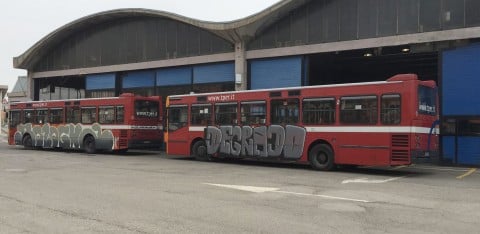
(145,144)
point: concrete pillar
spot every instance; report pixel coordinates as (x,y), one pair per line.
(240,66)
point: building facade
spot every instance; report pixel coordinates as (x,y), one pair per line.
(292,43)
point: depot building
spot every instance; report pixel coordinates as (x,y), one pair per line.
(292,43)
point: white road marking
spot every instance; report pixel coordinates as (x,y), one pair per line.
(277,190)
(367,181)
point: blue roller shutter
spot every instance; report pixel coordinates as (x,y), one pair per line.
(461,81)
(214,73)
(276,73)
(100,81)
(174,76)
(139,79)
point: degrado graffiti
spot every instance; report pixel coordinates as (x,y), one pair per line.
(68,136)
(272,141)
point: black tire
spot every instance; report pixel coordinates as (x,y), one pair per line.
(199,151)
(321,157)
(89,145)
(27,142)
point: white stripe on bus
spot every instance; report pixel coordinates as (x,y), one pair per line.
(353,129)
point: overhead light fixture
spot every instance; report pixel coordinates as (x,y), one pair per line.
(367,55)
(406,50)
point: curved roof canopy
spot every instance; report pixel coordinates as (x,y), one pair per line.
(232,31)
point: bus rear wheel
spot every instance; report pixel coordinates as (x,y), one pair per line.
(321,157)
(199,151)
(89,145)
(27,142)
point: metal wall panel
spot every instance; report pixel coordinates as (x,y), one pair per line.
(214,73)
(138,79)
(100,81)
(448,148)
(460,81)
(174,76)
(276,73)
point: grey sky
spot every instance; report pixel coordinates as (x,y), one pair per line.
(24,22)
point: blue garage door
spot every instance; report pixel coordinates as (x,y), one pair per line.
(276,73)
(460,99)
(214,73)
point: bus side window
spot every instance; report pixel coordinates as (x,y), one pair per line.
(200,114)
(319,111)
(284,111)
(28,116)
(41,116)
(73,115)
(177,117)
(226,113)
(89,115)
(106,115)
(391,109)
(253,112)
(56,116)
(120,115)
(14,118)
(359,110)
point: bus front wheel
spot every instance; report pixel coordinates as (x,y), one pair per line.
(199,151)
(89,145)
(321,157)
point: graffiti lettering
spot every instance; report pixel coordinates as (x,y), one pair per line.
(68,136)
(272,141)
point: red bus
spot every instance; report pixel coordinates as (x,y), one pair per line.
(106,124)
(383,123)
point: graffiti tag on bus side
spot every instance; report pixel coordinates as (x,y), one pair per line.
(272,141)
(68,136)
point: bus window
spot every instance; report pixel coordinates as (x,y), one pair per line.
(120,114)
(28,116)
(177,117)
(41,116)
(284,111)
(359,110)
(319,111)
(73,115)
(201,114)
(390,112)
(146,109)
(106,115)
(427,99)
(253,112)
(14,117)
(56,116)
(89,115)
(226,113)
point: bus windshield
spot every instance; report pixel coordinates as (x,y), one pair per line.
(146,109)
(427,100)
